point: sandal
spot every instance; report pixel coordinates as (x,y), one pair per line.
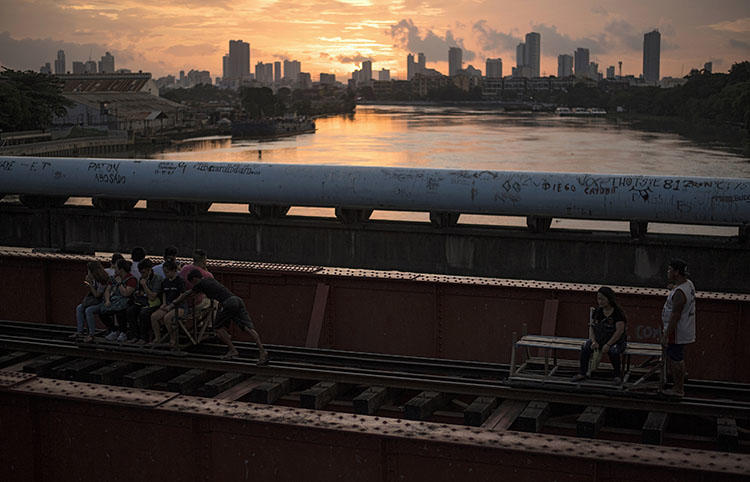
(230,355)
(263,360)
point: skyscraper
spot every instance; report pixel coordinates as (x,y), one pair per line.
(651,56)
(494,68)
(277,71)
(292,68)
(366,71)
(564,65)
(384,75)
(410,66)
(90,67)
(264,73)
(421,63)
(520,55)
(581,62)
(60,62)
(455,62)
(610,72)
(107,64)
(239,60)
(532,52)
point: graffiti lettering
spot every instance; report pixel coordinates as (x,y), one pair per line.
(110,178)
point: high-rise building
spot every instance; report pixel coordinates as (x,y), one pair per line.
(305,80)
(493,68)
(225,67)
(581,62)
(239,60)
(90,67)
(264,73)
(78,67)
(277,71)
(328,79)
(611,72)
(421,63)
(384,75)
(455,62)
(532,52)
(520,55)
(410,67)
(594,71)
(60,62)
(366,71)
(292,68)
(45,69)
(564,65)
(107,64)
(708,67)
(651,56)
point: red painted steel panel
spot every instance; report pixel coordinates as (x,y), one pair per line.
(440,316)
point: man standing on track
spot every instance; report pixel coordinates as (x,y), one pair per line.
(678,318)
(232,309)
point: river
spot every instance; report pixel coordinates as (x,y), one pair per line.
(448,137)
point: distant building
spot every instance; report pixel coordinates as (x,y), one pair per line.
(421,63)
(610,72)
(410,67)
(225,67)
(493,68)
(305,80)
(292,68)
(78,67)
(581,62)
(455,60)
(366,71)
(118,101)
(707,67)
(532,52)
(520,56)
(472,72)
(651,56)
(90,67)
(238,61)
(564,66)
(198,77)
(384,75)
(60,62)
(277,71)
(45,69)
(107,64)
(264,73)
(327,79)
(594,71)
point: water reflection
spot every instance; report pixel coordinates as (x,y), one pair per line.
(449,137)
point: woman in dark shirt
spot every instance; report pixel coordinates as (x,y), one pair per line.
(606,333)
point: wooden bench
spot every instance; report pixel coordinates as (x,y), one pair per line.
(551,344)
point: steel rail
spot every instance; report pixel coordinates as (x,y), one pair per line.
(472,387)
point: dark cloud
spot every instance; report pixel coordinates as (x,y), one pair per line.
(555,43)
(30,54)
(353,59)
(492,40)
(435,47)
(738,44)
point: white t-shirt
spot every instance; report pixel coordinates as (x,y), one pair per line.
(134,270)
(685,329)
(159,270)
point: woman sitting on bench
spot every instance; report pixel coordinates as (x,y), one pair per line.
(606,333)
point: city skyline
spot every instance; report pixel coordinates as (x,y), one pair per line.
(336,37)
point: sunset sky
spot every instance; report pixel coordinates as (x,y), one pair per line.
(166,36)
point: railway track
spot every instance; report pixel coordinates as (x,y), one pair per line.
(450,391)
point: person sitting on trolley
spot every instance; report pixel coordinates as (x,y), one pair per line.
(232,308)
(606,333)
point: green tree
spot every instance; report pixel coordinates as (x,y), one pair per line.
(29,100)
(260,102)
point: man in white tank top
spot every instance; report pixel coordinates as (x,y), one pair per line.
(678,318)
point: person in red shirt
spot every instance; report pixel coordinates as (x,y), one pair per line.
(197,304)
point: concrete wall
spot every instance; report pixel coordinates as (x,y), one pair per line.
(717,264)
